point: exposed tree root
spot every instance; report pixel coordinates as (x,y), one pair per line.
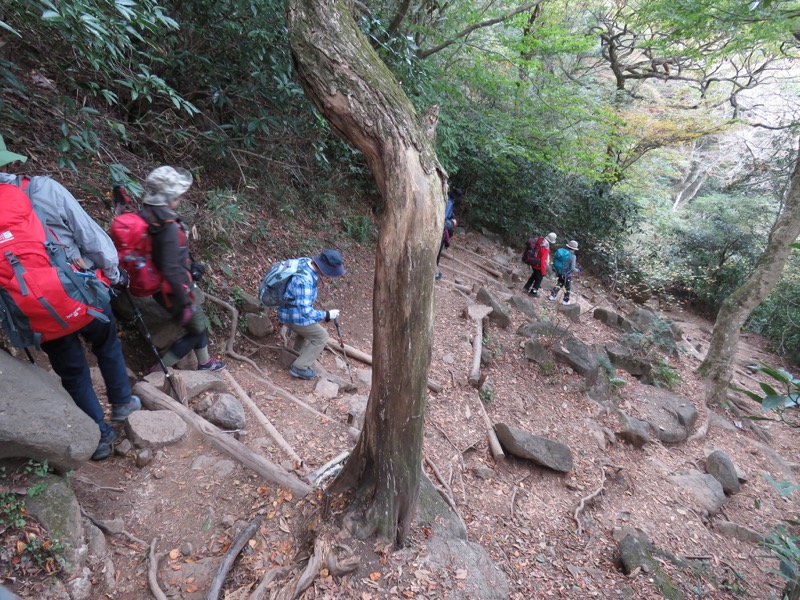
(230,556)
(234,321)
(269,576)
(576,516)
(152,572)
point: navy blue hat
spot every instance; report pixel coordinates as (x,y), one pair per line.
(330,263)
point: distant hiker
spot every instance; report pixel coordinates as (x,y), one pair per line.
(298,310)
(86,247)
(564,265)
(537,252)
(170,249)
(454,198)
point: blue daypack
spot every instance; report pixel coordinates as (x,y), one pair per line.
(272,291)
(561,261)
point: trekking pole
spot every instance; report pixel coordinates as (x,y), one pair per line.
(146,333)
(341,345)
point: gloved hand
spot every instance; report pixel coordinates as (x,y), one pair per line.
(123,282)
(331,315)
(197,270)
(186,315)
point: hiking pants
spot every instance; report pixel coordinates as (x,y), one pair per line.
(309,342)
(196,335)
(535,280)
(564,281)
(69,362)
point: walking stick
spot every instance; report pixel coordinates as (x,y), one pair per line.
(341,345)
(146,333)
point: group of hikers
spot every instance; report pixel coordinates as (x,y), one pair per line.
(55,252)
(61,295)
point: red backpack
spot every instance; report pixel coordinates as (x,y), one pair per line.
(42,296)
(133,243)
(531,254)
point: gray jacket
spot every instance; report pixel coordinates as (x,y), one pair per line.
(75,229)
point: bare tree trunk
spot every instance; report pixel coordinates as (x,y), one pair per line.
(356,92)
(718,364)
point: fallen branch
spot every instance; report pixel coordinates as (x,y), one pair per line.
(477,312)
(261,418)
(234,322)
(367,359)
(152,572)
(447,492)
(475,265)
(464,289)
(590,497)
(321,549)
(230,556)
(494,443)
(155,399)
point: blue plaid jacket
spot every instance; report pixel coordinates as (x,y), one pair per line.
(301,293)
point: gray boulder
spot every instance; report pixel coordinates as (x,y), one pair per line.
(634,431)
(614,320)
(548,453)
(499,314)
(579,356)
(523,305)
(57,509)
(671,416)
(543,328)
(721,467)
(226,412)
(249,303)
(259,326)
(154,428)
(571,311)
(537,352)
(706,490)
(39,420)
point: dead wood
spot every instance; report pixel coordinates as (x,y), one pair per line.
(230,556)
(447,492)
(477,312)
(234,323)
(592,496)
(152,572)
(483,280)
(367,359)
(490,261)
(154,399)
(475,265)
(261,418)
(321,549)
(461,288)
(494,443)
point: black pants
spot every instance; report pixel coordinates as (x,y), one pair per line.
(564,281)
(535,280)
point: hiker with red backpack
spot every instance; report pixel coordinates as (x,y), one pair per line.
(164,187)
(62,284)
(536,255)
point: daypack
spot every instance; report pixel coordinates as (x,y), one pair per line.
(272,291)
(532,250)
(132,240)
(561,260)
(42,296)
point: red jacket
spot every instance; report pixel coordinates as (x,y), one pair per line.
(544,256)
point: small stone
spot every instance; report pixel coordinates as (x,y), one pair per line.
(144,457)
(187,549)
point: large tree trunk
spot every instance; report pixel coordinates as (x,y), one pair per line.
(356,92)
(718,364)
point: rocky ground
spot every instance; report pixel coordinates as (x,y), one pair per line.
(550,533)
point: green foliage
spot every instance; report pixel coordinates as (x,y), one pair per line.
(783,400)
(225,219)
(359,228)
(665,375)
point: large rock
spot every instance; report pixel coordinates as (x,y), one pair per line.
(543,328)
(537,352)
(706,490)
(721,467)
(226,413)
(571,311)
(612,319)
(576,354)
(194,382)
(523,305)
(623,357)
(670,416)
(499,314)
(548,453)
(154,428)
(57,509)
(634,431)
(39,420)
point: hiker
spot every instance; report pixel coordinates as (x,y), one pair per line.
(540,252)
(87,247)
(299,314)
(564,266)
(454,198)
(170,252)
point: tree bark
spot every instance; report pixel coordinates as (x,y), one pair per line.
(357,94)
(736,308)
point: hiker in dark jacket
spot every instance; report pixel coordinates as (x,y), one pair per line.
(170,252)
(535,280)
(454,198)
(88,247)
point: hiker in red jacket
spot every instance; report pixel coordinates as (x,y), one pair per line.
(540,270)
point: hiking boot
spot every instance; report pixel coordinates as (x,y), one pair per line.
(104,447)
(302,373)
(438,275)
(565,302)
(120,412)
(534,293)
(211,365)
(551,297)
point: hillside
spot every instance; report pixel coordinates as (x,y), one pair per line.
(191,500)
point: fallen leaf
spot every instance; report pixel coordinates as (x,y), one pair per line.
(375,576)
(192,588)
(174,553)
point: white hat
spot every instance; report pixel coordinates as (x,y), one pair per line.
(551,237)
(572,245)
(164,184)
